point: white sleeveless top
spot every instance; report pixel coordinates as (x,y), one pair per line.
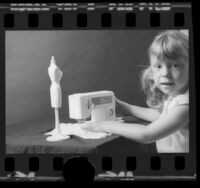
(177,142)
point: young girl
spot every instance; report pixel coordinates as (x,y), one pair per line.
(166,83)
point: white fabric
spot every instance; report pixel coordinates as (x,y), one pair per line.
(177,142)
(75,129)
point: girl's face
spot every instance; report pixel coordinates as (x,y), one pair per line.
(171,77)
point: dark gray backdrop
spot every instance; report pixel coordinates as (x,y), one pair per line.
(90,60)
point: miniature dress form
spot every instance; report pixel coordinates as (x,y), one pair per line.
(55,75)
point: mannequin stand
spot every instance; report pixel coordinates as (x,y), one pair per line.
(55,134)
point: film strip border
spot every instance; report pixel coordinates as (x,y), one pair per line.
(93,21)
(165,166)
(95,16)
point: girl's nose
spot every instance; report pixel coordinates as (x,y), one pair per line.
(166,71)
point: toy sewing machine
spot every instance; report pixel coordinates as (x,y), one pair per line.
(100,105)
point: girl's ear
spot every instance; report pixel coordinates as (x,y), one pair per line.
(150,76)
(151,80)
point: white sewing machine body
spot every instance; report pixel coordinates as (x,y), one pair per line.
(100,105)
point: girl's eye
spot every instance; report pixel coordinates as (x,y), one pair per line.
(158,66)
(175,66)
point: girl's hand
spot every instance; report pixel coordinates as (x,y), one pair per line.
(122,107)
(117,101)
(95,126)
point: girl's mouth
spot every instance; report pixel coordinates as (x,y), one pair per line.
(167,83)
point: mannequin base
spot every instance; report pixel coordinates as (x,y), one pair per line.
(55,137)
(51,132)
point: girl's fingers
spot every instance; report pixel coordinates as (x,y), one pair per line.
(87,126)
(116,101)
(87,123)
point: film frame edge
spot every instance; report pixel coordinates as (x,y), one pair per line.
(18,18)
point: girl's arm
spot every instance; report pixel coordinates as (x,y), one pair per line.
(171,122)
(175,119)
(147,114)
